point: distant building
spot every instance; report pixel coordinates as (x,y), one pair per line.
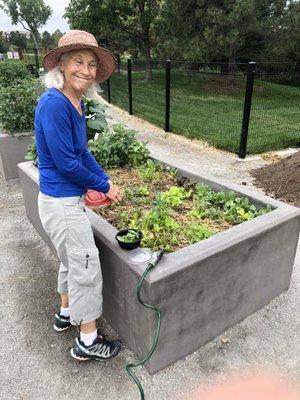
(7,32)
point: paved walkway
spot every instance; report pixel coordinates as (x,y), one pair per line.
(34,361)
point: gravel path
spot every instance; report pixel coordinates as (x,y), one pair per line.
(190,153)
(35,362)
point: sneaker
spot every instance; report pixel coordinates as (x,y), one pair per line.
(100,350)
(61,323)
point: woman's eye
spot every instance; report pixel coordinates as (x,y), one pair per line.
(78,61)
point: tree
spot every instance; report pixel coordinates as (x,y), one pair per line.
(47,41)
(179,31)
(56,35)
(3,44)
(135,21)
(286,45)
(19,40)
(220,30)
(31,14)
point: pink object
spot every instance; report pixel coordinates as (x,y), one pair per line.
(258,385)
(94,199)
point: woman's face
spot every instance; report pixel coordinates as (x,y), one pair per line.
(79,68)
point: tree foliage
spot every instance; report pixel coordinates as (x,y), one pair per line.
(18,40)
(31,14)
(3,44)
(119,24)
(56,35)
(225,31)
(47,41)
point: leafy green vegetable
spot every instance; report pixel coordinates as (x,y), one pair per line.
(175,196)
(150,171)
(130,237)
(95,117)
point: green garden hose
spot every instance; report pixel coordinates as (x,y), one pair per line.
(155,259)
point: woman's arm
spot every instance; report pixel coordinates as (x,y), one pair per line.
(88,160)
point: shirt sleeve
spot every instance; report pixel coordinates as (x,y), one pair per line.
(56,124)
(88,160)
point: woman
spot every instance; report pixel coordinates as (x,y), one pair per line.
(67,170)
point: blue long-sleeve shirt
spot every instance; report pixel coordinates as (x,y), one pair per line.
(66,167)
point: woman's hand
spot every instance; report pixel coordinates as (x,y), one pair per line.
(114,193)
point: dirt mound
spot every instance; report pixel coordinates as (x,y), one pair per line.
(281,179)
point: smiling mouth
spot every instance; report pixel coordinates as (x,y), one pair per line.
(83,79)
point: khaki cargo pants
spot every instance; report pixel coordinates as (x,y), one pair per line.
(79,276)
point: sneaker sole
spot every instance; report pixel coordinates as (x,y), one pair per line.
(79,358)
(57,329)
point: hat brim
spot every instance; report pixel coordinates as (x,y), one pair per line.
(106,61)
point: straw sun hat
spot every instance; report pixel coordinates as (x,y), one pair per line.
(76,39)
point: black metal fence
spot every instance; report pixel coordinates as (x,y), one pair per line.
(243,108)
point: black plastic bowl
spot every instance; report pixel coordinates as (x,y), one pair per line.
(129,245)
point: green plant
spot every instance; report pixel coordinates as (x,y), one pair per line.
(95,117)
(17,103)
(12,72)
(175,196)
(31,154)
(150,171)
(225,205)
(138,195)
(130,237)
(196,232)
(117,147)
(178,216)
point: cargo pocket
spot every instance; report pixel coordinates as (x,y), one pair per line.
(84,265)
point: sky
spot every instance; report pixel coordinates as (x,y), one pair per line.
(56,21)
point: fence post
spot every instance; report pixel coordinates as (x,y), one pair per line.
(167,95)
(108,90)
(247,109)
(129,86)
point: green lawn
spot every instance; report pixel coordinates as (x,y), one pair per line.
(206,106)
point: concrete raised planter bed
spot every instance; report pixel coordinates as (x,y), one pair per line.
(12,151)
(202,289)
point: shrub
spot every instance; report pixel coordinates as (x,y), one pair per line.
(17,103)
(12,72)
(117,147)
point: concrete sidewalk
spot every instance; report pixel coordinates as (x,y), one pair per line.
(35,362)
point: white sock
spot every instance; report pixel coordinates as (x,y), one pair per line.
(88,338)
(65,312)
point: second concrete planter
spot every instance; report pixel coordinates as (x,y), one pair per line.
(202,289)
(12,151)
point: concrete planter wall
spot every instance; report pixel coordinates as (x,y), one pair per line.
(12,151)
(202,289)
